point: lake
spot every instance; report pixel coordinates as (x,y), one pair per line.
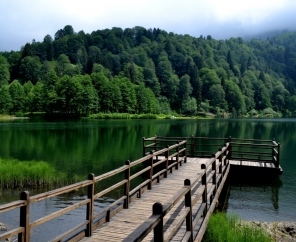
(98,146)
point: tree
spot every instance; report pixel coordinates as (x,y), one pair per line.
(189,106)
(150,77)
(234,97)
(208,78)
(17,94)
(89,96)
(69,92)
(28,97)
(217,97)
(14,60)
(146,101)
(37,98)
(4,71)
(5,100)
(50,95)
(30,69)
(27,50)
(128,94)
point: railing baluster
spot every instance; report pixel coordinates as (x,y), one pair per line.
(90,205)
(220,164)
(157,209)
(205,193)
(185,152)
(177,158)
(25,217)
(278,156)
(166,163)
(188,203)
(127,175)
(214,168)
(192,146)
(144,148)
(229,148)
(150,171)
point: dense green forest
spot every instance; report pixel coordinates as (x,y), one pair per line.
(138,70)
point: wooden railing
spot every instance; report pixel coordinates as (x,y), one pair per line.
(266,151)
(174,155)
(203,190)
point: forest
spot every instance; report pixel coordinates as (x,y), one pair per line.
(150,71)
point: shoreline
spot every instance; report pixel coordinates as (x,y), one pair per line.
(284,231)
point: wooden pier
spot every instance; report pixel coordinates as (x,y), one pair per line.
(181,180)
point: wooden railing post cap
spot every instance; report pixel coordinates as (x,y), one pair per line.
(127,162)
(157,208)
(214,155)
(151,152)
(203,166)
(91,176)
(25,195)
(187,182)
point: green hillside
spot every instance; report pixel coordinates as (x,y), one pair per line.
(138,70)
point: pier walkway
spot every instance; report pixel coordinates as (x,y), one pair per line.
(168,194)
(127,221)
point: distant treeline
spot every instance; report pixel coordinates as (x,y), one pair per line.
(138,70)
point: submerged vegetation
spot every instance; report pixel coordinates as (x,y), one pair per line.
(15,173)
(229,228)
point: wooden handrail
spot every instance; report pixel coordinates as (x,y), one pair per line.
(25,202)
(154,221)
(174,155)
(235,144)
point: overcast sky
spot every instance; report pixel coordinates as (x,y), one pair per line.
(21,21)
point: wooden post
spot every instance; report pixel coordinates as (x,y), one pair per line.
(192,146)
(90,205)
(220,164)
(167,154)
(188,203)
(185,152)
(177,158)
(214,168)
(144,148)
(25,218)
(278,156)
(127,174)
(157,209)
(155,143)
(205,193)
(225,160)
(150,171)
(229,148)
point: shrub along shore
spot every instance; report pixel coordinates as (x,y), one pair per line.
(230,228)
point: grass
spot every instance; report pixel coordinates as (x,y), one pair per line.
(5,116)
(15,173)
(122,116)
(229,228)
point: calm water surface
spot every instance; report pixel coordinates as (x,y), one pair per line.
(95,146)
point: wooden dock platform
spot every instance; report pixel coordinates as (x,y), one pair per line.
(180,182)
(125,222)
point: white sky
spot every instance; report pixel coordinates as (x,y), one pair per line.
(22,21)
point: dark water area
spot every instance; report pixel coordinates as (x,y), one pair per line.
(98,146)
